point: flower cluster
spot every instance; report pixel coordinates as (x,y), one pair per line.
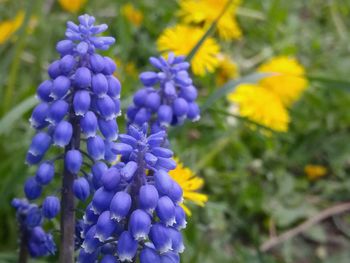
(81,98)
(136,213)
(172,102)
(29,217)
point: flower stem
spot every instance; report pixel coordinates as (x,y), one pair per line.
(67,201)
(23,251)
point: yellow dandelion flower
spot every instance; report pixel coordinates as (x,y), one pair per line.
(289,81)
(314,171)
(260,106)
(206,11)
(9,27)
(133,15)
(190,184)
(180,39)
(72,6)
(227,69)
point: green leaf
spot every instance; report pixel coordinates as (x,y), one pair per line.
(229,87)
(329,82)
(7,122)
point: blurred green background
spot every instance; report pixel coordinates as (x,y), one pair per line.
(256,184)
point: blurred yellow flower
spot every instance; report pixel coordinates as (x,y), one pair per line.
(9,27)
(72,6)
(227,69)
(132,14)
(206,11)
(314,171)
(289,81)
(190,184)
(180,39)
(261,106)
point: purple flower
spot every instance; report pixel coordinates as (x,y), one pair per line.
(127,247)
(73,161)
(81,188)
(32,189)
(63,134)
(51,207)
(45,173)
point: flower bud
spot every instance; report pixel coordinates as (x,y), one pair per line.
(81,188)
(165,114)
(102,200)
(33,159)
(148,197)
(160,237)
(60,87)
(44,90)
(64,47)
(73,161)
(170,90)
(180,218)
(98,169)
(111,179)
(82,78)
(95,147)
(40,144)
(114,87)
(38,118)
(91,243)
(109,129)
(32,189)
(109,67)
(128,171)
(51,207)
(149,78)
(142,116)
(54,69)
(193,111)
(149,255)
(166,163)
(162,152)
(127,247)
(180,107)
(63,134)
(57,111)
(81,102)
(189,93)
(175,193)
(99,85)
(120,205)
(67,64)
(122,148)
(88,124)
(139,224)
(34,217)
(105,226)
(139,97)
(97,63)
(45,173)
(163,182)
(166,211)
(106,107)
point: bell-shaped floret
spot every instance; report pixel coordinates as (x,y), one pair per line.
(45,173)
(180,217)
(127,247)
(81,188)
(109,129)
(102,200)
(32,189)
(99,85)
(51,207)
(110,179)
(98,169)
(73,161)
(120,205)
(165,114)
(148,197)
(96,147)
(176,241)
(149,255)
(96,63)
(88,124)
(40,144)
(81,102)
(166,211)
(39,114)
(105,226)
(60,87)
(128,171)
(82,78)
(63,134)
(57,111)
(139,224)
(160,237)
(44,90)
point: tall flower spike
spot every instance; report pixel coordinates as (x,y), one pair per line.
(136,206)
(168,96)
(80,99)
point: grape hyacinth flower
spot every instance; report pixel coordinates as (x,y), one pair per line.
(168,96)
(135,211)
(29,217)
(79,100)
